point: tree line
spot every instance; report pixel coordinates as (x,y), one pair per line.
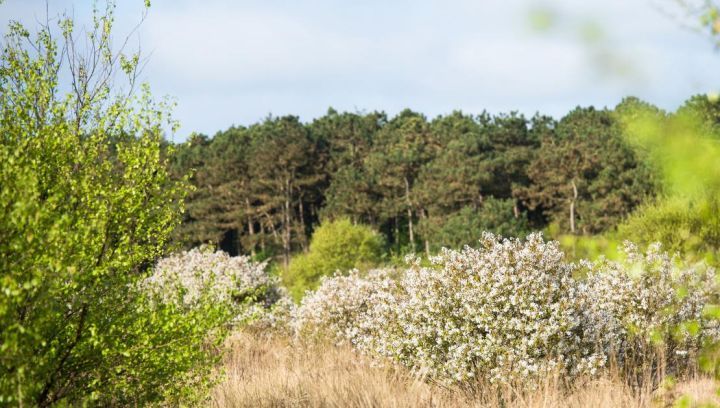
(422,183)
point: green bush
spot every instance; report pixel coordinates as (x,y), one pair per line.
(466,225)
(684,149)
(681,225)
(339,245)
(86,207)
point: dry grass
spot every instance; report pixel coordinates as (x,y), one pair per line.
(273,372)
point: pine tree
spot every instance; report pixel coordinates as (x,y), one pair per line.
(282,167)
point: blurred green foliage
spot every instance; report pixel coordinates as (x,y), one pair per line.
(577,247)
(541,19)
(684,148)
(682,225)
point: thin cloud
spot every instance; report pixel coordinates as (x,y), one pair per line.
(233,62)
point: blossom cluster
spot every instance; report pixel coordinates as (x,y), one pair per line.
(202,275)
(646,301)
(509,310)
(339,307)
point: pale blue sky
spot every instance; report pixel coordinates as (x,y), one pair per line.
(234,62)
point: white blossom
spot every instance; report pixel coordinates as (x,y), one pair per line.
(201,275)
(647,299)
(512,310)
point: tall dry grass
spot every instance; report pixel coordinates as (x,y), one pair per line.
(262,371)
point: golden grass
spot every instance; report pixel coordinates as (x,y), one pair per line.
(266,371)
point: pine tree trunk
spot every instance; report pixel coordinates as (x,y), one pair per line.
(410,229)
(303,241)
(424,215)
(262,236)
(251,228)
(286,220)
(272,228)
(572,207)
(397,233)
(409,214)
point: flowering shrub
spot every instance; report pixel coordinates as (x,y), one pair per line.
(506,311)
(201,275)
(511,310)
(635,307)
(340,305)
(277,319)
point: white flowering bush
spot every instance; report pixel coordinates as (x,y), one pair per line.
(340,305)
(648,304)
(276,319)
(503,312)
(511,311)
(202,275)
(506,311)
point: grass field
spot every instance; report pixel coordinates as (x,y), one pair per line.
(274,371)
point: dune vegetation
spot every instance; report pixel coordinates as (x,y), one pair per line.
(354,260)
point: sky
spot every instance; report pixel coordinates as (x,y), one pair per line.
(234,62)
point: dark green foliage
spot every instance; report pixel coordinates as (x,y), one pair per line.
(348,138)
(514,145)
(407,177)
(284,172)
(352,194)
(202,221)
(400,149)
(257,189)
(585,178)
(465,227)
(460,172)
